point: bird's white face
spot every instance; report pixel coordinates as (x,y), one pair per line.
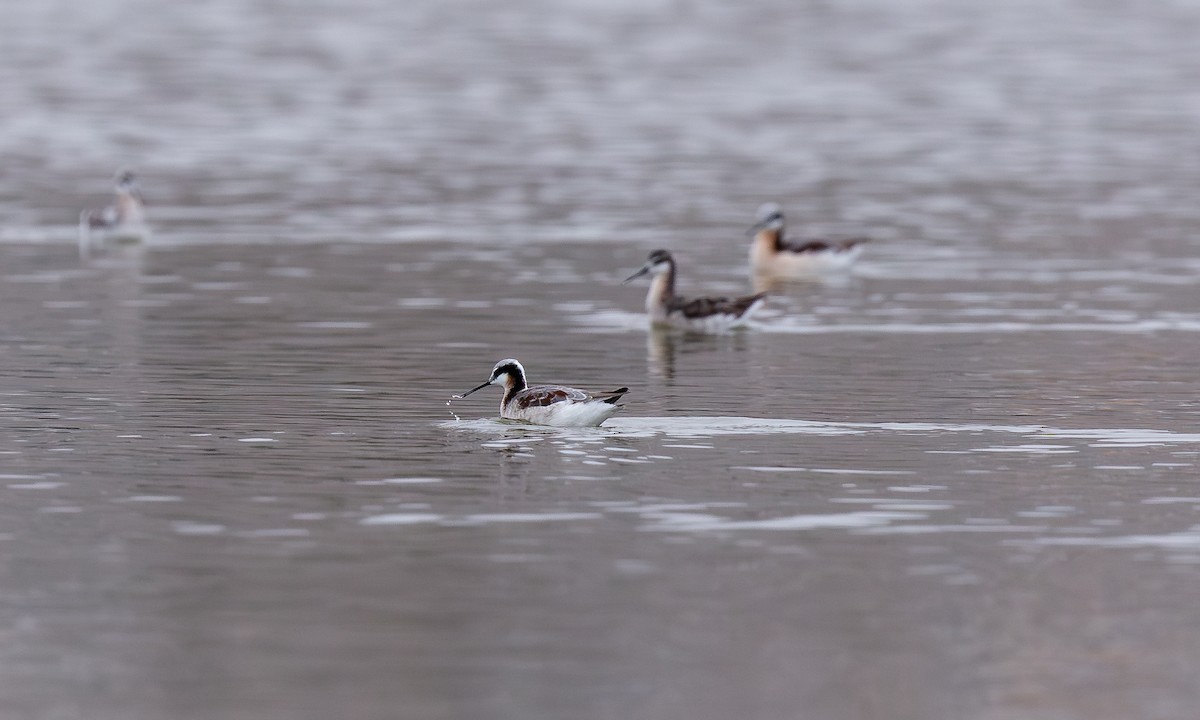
(658,268)
(658,263)
(506,372)
(768,217)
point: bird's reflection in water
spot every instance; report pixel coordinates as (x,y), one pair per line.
(120,298)
(664,343)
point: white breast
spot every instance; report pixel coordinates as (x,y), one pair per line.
(589,413)
(799,265)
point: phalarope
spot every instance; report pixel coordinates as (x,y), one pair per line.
(772,255)
(705,314)
(124,220)
(556,405)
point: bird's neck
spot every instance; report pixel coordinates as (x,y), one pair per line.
(662,289)
(129,207)
(770,239)
(512,386)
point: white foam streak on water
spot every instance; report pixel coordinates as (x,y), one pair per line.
(476,518)
(401,519)
(1184,540)
(1031,449)
(683,427)
(400,481)
(606,321)
(1141,326)
(697,522)
(953,529)
(1122,437)
(716,426)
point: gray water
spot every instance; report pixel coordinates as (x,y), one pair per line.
(960,483)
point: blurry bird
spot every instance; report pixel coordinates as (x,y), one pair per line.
(704,314)
(771,255)
(124,220)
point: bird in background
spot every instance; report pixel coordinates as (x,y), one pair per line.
(702,314)
(124,220)
(773,255)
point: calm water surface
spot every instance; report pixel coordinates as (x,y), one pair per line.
(960,483)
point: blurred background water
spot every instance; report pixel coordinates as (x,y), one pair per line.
(960,483)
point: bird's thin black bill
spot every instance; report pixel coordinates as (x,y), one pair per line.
(636,275)
(489,382)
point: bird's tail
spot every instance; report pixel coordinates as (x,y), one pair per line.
(612,396)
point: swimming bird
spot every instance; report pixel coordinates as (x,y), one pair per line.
(772,255)
(704,314)
(556,405)
(124,220)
